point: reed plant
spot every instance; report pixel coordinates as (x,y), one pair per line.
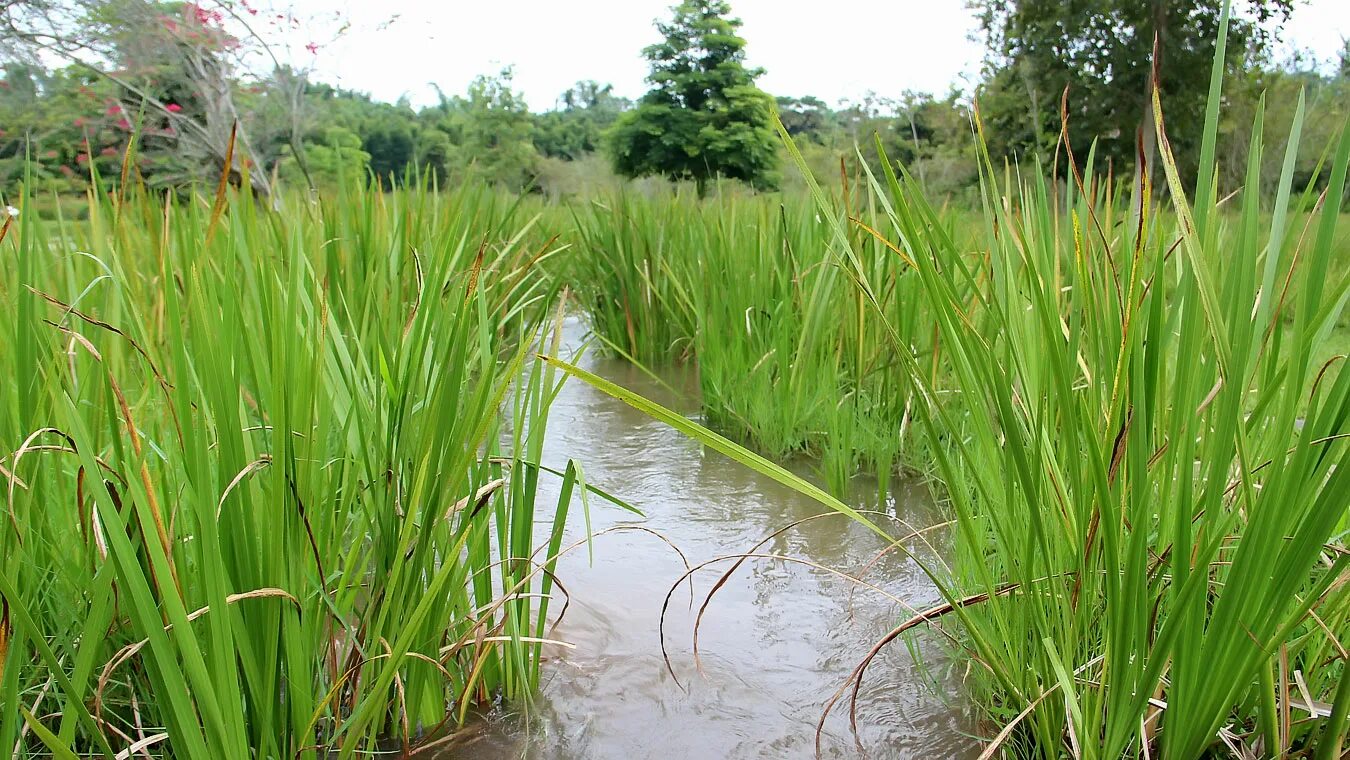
(1149,472)
(790,359)
(269,476)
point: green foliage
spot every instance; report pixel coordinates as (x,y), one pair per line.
(53,124)
(1133,420)
(1273,94)
(336,160)
(575,129)
(1102,50)
(494,133)
(703,117)
(271,476)
(789,359)
(805,118)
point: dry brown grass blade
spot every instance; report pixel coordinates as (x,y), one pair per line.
(72,311)
(130,650)
(518,272)
(421,287)
(884,241)
(479,629)
(218,208)
(478,498)
(920,618)
(475,272)
(741,556)
(164,385)
(615,529)
(252,467)
(402,697)
(14,462)
(726,576)
(318,564)
(997,742)
(920,533)
(152,500)
(1082,190)
(6,631)
(126,172)
(141,745)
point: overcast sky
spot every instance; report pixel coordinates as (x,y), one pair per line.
(829,48)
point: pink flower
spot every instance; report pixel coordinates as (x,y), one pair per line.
(123,124)
(79,122)
(312,48)
(51,154)
(82,158)
(114,109)
(109,151)
(173,108)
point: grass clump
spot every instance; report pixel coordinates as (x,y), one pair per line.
(790,359)
(1149,472)
(269,477)
(1148,468)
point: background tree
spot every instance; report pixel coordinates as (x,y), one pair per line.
(1103,49)
(703,117)
(336,158)
(176,69)
(576,126)
(492,130)
(806,117)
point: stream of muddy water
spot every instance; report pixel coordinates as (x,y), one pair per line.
(775,643)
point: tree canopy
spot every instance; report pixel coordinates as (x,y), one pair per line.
(1102,50)
(703,117)
(171,79)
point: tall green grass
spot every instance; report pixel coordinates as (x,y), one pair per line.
(269,477)
(1149,473)
(790,358)
(1151,477)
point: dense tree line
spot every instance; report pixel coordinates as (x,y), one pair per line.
(172,83)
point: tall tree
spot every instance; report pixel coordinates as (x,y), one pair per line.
(704,117)
(1103,51)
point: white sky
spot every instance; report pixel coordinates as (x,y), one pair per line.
(832,49)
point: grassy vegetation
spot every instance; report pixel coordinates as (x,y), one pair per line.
(269,483)
(1136,421)
(267,476)
(790,357)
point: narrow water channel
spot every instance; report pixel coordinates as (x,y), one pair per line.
(776,642)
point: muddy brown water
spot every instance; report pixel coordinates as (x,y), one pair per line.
(777,640)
